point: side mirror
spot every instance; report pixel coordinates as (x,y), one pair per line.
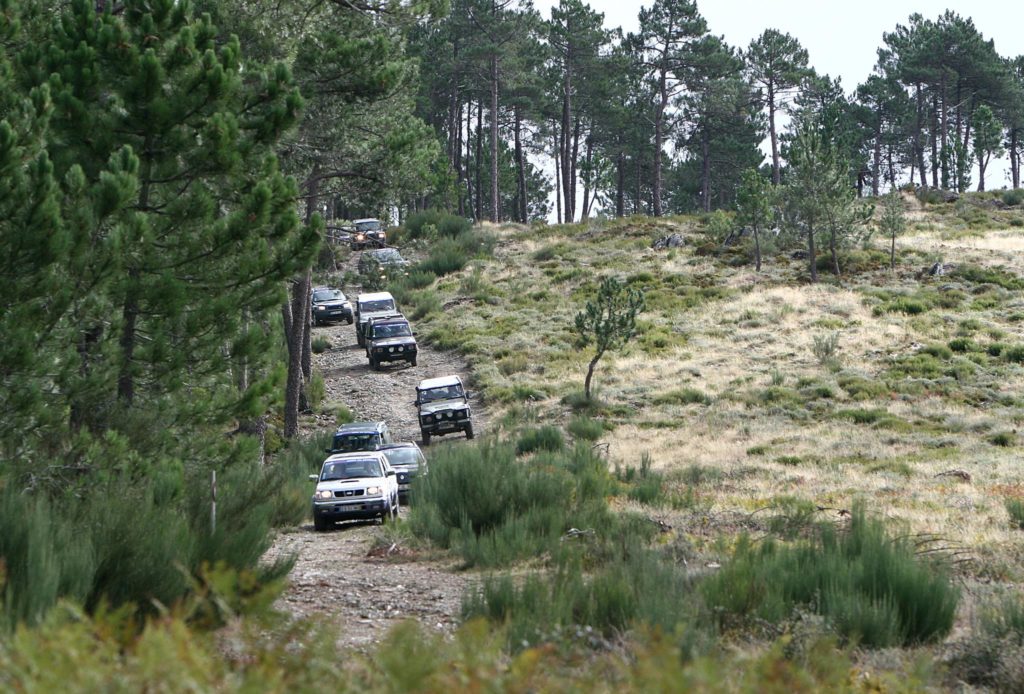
(327,450)
(314,478)
(416,403)
(390,473)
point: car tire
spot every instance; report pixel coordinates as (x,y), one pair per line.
(469,431)
(359,340)
(320,525)
(375,365)
(425,435)
(412,362)
(395,508)
(350,320)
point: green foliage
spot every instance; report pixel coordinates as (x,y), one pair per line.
(608,322)
(1015,509)
(826,349)
(893,222)
(869,586)
(564,604)
(585,428)
(320,344)
(683,396)
(989,275)
(1014,197)
(545,438)
(754,201)
(494,509)
(1014,354)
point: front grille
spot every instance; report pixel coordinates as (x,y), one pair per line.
(348,492)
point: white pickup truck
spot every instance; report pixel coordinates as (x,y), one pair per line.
(353,486)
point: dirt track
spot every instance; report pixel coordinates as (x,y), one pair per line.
(349,574)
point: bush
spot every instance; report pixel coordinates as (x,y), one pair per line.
(641,589)
(682,396)
(1014,354)
(870,587)
(319,344)
(585,428)
(493,509)
(546,438)
(1015,509)
(826,349)
(1013,197)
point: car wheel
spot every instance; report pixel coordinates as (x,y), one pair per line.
(320,525)
(412,362)
(359,340)
(469,431)
(375,365)
(425,435)
(395,507)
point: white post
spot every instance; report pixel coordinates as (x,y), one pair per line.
(213,502)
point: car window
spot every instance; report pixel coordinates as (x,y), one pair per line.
(351,469)
(350,443)
(403,456)
(442,393)
(377,306)
(391,330)
(368,226)
(328,295)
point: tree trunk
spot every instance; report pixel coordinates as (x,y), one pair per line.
(659,138)
(935,141)
(776,170)
(293,386)
(589,159)
(757,247)
(705,172)
(479,159)
(590,375)
(469,156)
(1015,157)
(876,173)
(495,197)
(832,250)
(573,179)
(564,149)
(919,139)
(521,210)
(944,134)
(982,164)
(620,185)
(812,257)
(558,176)
(892,253)
(458,160)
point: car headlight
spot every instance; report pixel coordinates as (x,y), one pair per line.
(401,349)
(428,418)
(324,494)
(391,349)
(373,491)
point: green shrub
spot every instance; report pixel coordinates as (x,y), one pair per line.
(1005,439)
(1015,509)
(585,428)
(989,275)
(870,587)
(316,390)
(545,438)
(1014,354)
(491,508)
(320,344)
(860,388)
(902,304)
(1014,196)
(422,224)
(639,590)
(682,396)
(938,351)
(963,345)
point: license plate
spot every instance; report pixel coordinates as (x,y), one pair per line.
(334,313)
(403,487)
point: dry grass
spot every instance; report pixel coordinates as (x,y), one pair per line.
(772,426)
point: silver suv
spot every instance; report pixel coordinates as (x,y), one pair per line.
(354,486)
(443,408)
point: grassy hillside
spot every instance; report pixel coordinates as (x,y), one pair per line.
(748,391)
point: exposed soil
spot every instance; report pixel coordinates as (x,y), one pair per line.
(352,574)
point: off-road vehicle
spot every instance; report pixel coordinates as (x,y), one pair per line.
(408,461)
(352,486)
(368,305)
(389,339)
(329,305)
(443,408)
(360,436)
(368,233)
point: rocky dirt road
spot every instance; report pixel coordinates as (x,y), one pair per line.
(348,574)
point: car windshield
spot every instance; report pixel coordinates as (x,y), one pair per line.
(377,306)
(349,443)
(403,457)
(351,469)
(391,330)
(443,393)
(369,226)
(328,295)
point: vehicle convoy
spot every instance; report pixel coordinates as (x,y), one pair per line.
(329,305)
(389,339)
(409,463)
(389,315)
(370,305)
(360,436)
(368,233)
(354,486)
(442,406)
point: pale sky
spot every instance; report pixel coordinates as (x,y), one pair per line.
(841,37)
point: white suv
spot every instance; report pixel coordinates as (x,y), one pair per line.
(354,486)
